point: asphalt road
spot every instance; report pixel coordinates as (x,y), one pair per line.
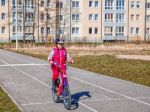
(27,80)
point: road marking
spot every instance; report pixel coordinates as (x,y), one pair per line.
(12,65)
(32,104)
(111,91)
(29,75)
(87,107)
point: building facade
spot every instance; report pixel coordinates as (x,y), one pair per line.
(75,20)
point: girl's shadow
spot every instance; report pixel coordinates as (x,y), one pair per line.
(77,97)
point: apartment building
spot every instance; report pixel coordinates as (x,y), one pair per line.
(75,20)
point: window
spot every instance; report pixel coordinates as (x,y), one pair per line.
(108,17)
(109,4)
(137,17)
(48,17)
(90,16)
(90,30)
(120,18)
(96,30)
(132,4)
(137,4)
(42,30)
(48,3)
(48,30)
(137,30)
(120,31)
(59,5)
(90,3)
(75,30)
(108,30)
(42,16)
(3,2)
(42,3)
(75,4)
(96,17)
(3,30)
(131,30)
(120,4)
(75,17)
(96,4)
(61,17)
(148,18)
(148,30)
(3,15)
(148,5)
(132,17)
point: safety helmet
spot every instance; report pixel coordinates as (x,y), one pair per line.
(59,41)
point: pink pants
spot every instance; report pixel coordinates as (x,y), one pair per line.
(56,72)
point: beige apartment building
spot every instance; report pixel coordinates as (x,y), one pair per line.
(75,20)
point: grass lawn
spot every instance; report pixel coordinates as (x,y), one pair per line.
(132,70)
(6,105)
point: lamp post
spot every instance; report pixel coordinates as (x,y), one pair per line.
(16,25)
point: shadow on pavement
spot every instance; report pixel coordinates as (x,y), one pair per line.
(77,97)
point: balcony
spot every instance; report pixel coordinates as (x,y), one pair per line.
(19,8)
(29,22)
(29,8)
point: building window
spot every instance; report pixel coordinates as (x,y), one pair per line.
(148,18)
(3,15)
(48,30)
(90,16)
(108,17)
(42,3)
(48,17)
(109,4)
(137,17)
(48,3)
(96,4)
(60,17)
(131,30)
(90,3)
(96,17)
(3,30)
(137,30)
(132,4)
(75,4)
(120,4)
(42,30)
(120,18)
(75,30)
(120,31)
(3,2)
(138,4)
(75,17)
(148,5)
(132,17)
(108,31)
(42,17)
(90,30)
(147,30)
(96,30)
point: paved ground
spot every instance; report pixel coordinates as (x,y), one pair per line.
(27,80)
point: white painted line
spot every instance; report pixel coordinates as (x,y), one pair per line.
(95,100)
(12,65)
(29,75)
(32,104)
(88,107)
(111,91)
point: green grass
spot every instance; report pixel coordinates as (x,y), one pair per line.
(132,70)
(6,105)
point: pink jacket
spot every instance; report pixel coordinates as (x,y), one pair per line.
(60,56)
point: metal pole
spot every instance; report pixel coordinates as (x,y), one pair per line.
(16,25)
(70,18)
